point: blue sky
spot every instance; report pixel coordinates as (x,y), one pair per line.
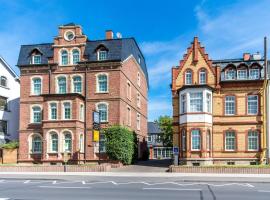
(163,29)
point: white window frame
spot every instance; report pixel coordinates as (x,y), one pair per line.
(60,57)
(52,132)
(33,58)
(32,85)
(63,134)
(183,103)
(99,53)
(138,99)
(208,102)
(81,142)
(252,77)
(139,79)
(138,121)
(97,82)
(128,116)
(197,99)
(229,101)
(186,79)
(257,102)
(72,55)
(184,140)
(57,83)
(107,106)
(72,83)
(253,137)
(50,111)
(193,137)
(63,110)
(128,90)
(239,71)
(229,77)
(81,112)
(30,139)
(225,142)
(32,113)
(5,78)
(202,72)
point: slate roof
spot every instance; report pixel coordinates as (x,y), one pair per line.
(118,50)
(153,128)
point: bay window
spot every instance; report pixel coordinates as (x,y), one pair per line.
(196,102)
(183,103)
(195,140)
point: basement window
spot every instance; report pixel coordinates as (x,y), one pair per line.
(230,163)
(196,164)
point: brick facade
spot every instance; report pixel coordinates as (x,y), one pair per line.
(213,123)
(118,73)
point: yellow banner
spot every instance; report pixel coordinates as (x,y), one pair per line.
(96,136)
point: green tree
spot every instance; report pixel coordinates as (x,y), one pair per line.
(120,144)
(165,125)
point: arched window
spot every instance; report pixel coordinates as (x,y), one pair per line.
(102,83)
(202,76)
(36,144)
(64,57)
(36,114)
(77,84)
(36,86)
(3,81)
(230,74)
(67,142)
(103,111)
(54,142)
(208,140)
(75,56)
(188,77)
(53,111)
(62,86)
(195,140)
(81,143)
(184,140)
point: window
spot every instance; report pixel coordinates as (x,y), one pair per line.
(77,84)
(195,140)
(36,114)
(36,59)
(36,144)
(36,86)
(82,112)
(3,103)
(138,100)
(138,79)
(254,74)
(102,83)
(138,121)
(103,112)
(230,141)
(53,111)
(67,142)
(202,76)
(3,81)
(184,140)
(253,141)
(62,86)
(242,74)
(229,105)
(188,77)
(208,140)
(252,104)
(81,143)
(54,142)
(3,128)
(149,139)
(183,103)
(64,57)
(67,110)
(75,56)
(102,147)
(208,102)
(128,90)
(128,116)
(230,74)
(102,55)
(196,102)
(158,138)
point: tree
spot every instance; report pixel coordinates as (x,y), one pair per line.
(165,125)
(120,144)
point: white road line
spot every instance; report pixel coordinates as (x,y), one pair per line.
(264,191)
(4,198)
(177,189)
(1,181)
(27,181)
(58,187)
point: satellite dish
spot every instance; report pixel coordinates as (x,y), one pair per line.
(118,35)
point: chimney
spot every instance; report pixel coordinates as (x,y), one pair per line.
(195,49)
(109,34)
(246,56)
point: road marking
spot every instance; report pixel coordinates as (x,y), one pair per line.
(1,181)
(264,191)
(27,181)
(4,198)
(177,189)
(58,187)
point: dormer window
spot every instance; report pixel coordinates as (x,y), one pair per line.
(202,76)
(64,57)
(241,74)
(230,74)
(75,56)
(188,77)
(36,59)
(254,74)
(102,55)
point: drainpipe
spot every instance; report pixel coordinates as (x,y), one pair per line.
(50,74)
(85,108)
(266,93)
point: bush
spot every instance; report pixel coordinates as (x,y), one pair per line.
(119,144)
(10,145)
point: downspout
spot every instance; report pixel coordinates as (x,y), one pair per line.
(85,108)
(50,74)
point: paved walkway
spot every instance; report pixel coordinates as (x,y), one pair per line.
(146,166)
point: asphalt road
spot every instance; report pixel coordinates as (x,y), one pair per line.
(129,188)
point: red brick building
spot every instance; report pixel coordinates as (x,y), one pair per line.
(64,81)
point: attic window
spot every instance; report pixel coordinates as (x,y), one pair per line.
(36,59)
(102,54)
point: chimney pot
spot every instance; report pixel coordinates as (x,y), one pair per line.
(109,34)
(246,56)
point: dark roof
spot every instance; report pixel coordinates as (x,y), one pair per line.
(153,128)
(70,24)
(118,49)
(236,61)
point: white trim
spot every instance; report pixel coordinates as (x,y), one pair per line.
(97,82)
(56,81)
(49,141)
(98,56)
(32,84)
(33,58)
(65,35)
(139,79)
(81,118)
(30,143)
(31,113)
(49,110)
(128,90)
(63,109)
(191,142)
(138,121)
(107,104)
(60,56)
(71,53)
(62,139)
(72,82)
(9,68)
(128,115)
(138,100)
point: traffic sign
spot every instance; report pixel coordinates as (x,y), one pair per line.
(96,136)
(96,117)
(175,150)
